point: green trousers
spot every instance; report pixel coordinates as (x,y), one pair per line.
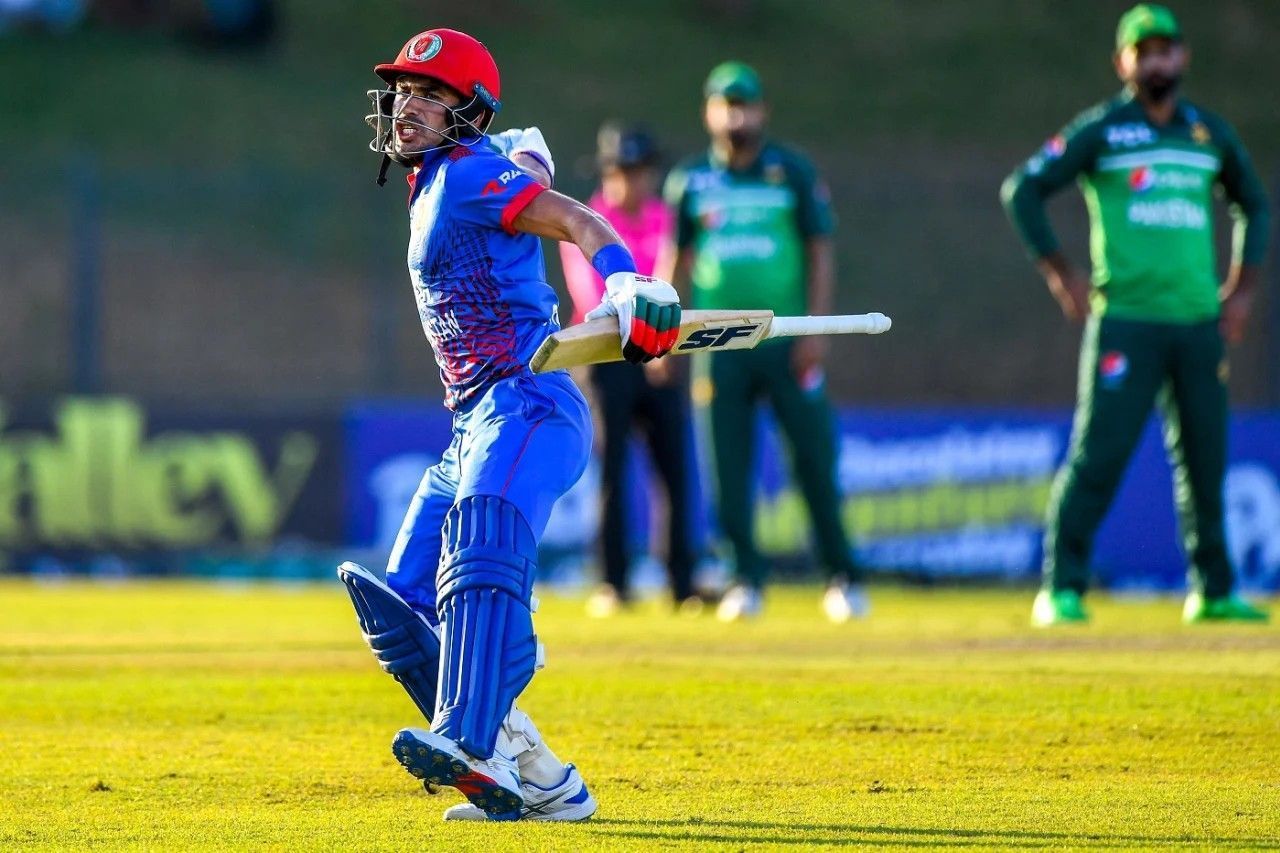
(1125,367)
(739,380)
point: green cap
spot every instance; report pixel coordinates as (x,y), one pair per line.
(734,80)
(1144,21)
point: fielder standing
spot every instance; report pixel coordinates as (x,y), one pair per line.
(1148,163)
(753,231)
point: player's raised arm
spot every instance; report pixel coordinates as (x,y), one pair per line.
(648,309)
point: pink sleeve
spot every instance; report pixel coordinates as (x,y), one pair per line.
(584,284)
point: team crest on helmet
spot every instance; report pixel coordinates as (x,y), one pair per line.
(424,47)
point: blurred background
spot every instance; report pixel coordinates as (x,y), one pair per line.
(210,362)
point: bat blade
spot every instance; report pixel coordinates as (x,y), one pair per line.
(597,341)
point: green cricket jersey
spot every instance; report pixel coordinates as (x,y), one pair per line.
(748,228)
(1149,192)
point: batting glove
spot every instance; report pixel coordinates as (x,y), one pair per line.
(648,312)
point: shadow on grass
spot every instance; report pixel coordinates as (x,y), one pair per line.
(759,832)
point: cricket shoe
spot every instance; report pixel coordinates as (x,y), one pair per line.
(844,601)
(568,801)
(605,602)
(491,784)
(710,578)
(1058,607)
(739,604)
(1228,608)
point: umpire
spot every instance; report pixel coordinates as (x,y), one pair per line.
(1147,162)
(651,397)
(753,230)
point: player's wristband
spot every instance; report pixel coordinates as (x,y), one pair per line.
(613,258)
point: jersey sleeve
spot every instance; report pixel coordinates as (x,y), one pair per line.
(527,140)
(675,191)
(814,214)
(489,190)
(1059,161)
(1247,197)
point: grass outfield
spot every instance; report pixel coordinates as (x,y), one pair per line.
(170,716)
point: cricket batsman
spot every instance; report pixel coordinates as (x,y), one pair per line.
(453,622)
(1148,162)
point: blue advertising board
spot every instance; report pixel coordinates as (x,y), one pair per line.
(940,493)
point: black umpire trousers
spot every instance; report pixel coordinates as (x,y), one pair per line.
(628,401)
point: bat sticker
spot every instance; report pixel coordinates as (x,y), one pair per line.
(713,338)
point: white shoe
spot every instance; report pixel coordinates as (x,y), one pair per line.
(843,602)
(739,603)
(604,602)
(568,801)
(491,784)
(710,577)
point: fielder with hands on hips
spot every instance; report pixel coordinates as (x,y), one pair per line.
(453,620)
(1149,162)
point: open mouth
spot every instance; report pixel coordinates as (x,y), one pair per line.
(409,125)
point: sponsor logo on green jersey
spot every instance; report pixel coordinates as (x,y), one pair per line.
(1129,135)
(1169,213)
(1144,178)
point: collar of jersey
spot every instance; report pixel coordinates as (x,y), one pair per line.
(429,166)
(714,160)
(1184,113)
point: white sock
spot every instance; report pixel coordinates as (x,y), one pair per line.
(541,766)
(521,738)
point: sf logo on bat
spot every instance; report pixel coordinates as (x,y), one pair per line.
(717,337)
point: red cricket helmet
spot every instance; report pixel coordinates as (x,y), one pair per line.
(455,59)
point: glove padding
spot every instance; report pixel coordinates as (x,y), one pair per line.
(648,312)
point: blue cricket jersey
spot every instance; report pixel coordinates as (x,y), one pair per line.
(481,287)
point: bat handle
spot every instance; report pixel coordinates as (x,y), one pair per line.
(841,324)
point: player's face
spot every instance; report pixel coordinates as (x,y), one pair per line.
(738,123)
(1153,66)
(420,113)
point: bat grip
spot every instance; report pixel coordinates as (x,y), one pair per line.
(843,324)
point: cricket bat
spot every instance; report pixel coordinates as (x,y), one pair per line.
(597,341)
